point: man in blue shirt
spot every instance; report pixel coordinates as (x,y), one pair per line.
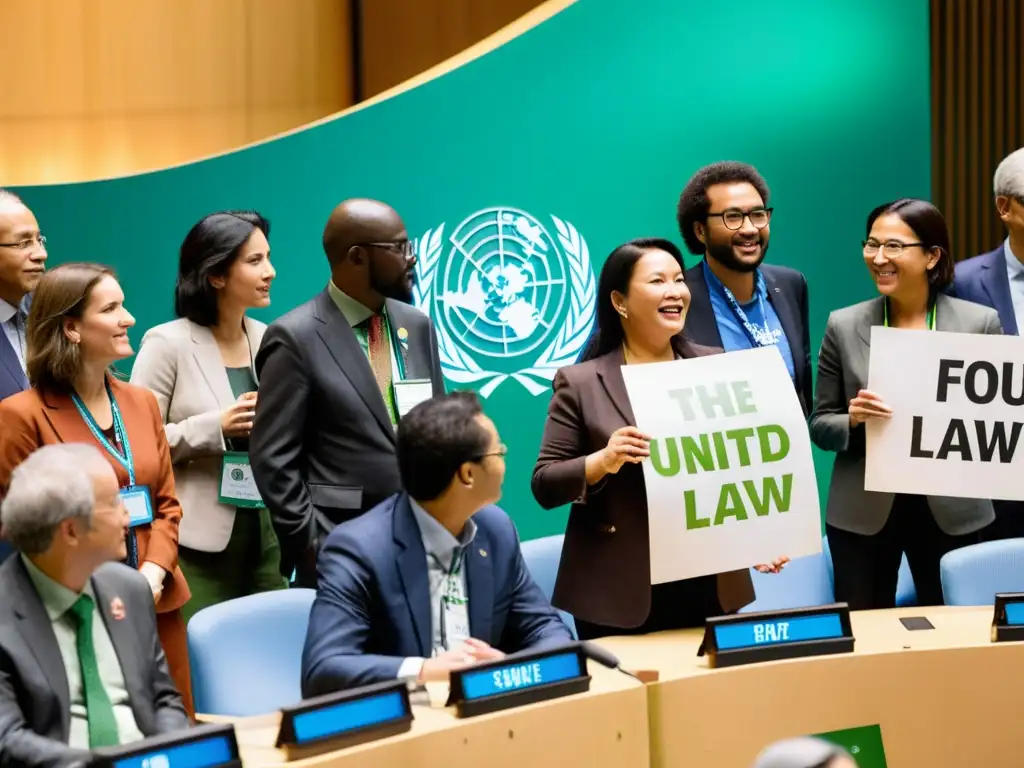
(996,279)
(432,579)
(736,302)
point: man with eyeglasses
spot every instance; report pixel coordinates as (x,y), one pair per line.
(736,301)
(22,263)
(336,374)
(996,279)
(433,579)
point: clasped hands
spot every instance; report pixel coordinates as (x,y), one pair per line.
(471,652)
(628,445)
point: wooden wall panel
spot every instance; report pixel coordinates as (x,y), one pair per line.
(109,87)
(977,112)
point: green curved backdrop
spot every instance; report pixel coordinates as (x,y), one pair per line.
(597,117)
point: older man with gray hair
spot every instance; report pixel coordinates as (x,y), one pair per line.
(81,666)
(996,279)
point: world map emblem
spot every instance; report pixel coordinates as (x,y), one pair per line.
(511,297)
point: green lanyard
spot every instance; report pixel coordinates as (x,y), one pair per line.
(930,321)
(452,594)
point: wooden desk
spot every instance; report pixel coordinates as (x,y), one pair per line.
(606,726)
(943,697)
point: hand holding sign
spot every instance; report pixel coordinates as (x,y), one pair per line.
(867,405)
(626,445)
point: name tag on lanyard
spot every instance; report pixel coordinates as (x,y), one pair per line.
(408,392)
(237,484)
(139,503)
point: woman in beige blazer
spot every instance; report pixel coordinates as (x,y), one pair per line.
(200,369)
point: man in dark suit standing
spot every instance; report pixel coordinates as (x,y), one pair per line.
(736,301)
(431,580)
(81,666)
(335,376)
(996,279)
(22,262)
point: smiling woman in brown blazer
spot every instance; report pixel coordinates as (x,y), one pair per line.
(77,328)
(591,453)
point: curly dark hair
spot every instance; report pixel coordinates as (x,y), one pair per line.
(693,202)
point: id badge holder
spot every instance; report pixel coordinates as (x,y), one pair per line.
(137,501)
(237,484)
(410,393)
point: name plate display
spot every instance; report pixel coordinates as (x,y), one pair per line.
(1008,621)
(346,718)
(521,678)
(748,638)
(205,746)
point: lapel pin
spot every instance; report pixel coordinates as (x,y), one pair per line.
(483,553)
(117,609)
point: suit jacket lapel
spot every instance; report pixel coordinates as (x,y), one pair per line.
(609,371)
(37,631)
(996,283)
(65,419)
(254,331)
(340,340)
(415,352)
(124,641)
(788,317)
(9,359)
(211,364)
(946,317)
(701,324)
(480,586)
(412,569)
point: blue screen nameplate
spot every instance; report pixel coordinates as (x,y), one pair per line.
(345,718)
(520,678)
(1008,621)
(207,746)
(752,637)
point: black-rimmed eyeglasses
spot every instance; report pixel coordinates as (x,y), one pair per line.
(401,247)
(733,217)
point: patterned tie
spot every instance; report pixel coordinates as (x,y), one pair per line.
(20,321)
(380,358)
(99,712)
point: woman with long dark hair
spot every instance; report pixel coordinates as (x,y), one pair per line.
(591,453)
(906,252)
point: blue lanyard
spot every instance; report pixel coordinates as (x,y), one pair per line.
(119,431)
(759,337)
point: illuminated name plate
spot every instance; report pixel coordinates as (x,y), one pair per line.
(343,719)
(752,637)
(206,746)
(522,678)
(1008,621)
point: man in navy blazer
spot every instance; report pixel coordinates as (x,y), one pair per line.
(22,262)
(996,279)
(431,580)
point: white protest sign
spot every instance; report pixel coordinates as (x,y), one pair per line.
(730,481)
(957,404)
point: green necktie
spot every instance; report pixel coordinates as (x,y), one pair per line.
(99,712)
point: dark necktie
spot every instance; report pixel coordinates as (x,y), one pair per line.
(99,712)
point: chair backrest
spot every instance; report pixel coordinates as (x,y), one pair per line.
(246,654)
(804,582)
(973,575)
(542,557)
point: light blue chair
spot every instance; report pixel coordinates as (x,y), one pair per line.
(803,583)
(246,654)
(542,557)
(906,592)
(973,575)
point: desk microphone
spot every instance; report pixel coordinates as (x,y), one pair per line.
(606,658)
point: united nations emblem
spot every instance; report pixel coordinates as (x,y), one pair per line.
(508,300)
(237,475)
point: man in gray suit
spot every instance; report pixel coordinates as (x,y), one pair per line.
(335,376)
(81,665)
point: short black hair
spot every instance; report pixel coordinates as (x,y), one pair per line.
(436,438)
(930,227)
(209,250)
(693,202)
(616,273)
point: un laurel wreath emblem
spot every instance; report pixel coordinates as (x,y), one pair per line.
(507,299)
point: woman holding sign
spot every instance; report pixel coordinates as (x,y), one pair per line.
(200,369)
(77,329)
(907,254)
(591,453)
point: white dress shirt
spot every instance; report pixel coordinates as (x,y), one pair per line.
(13,321)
